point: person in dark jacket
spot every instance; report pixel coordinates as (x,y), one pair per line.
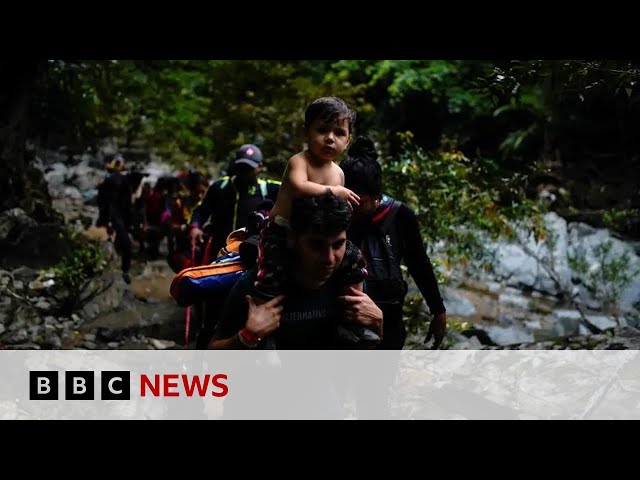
(116,207)
(387,232)
(230,201)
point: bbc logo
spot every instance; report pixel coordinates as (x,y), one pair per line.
(114,385)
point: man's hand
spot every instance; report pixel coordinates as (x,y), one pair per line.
(437,329)
(196,235)
(264,319)
(359,308)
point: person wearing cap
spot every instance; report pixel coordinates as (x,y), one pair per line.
(230,200)
(116,164)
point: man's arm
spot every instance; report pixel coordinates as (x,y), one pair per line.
(243,323)
(233,318)
(201,213)
(358,308)
(417,260)
(203,210)
(421,269)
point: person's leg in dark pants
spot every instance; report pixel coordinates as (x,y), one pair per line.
(373,393)
(123,245)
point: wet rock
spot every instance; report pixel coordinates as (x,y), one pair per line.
(12,222)
(25,346)
(566,325)
(533,324)
(108,335)
(73,193)
(519,268)
(20,336)
(456,303)
(509,336)
(494,287)
(514,300)
(601,322)
(506,321)
(56,175)
(34,245)
(43,305)
(161,344)
(111,289)
(23,317)
(86,178)
(52,341)
(35,287)
(471,344)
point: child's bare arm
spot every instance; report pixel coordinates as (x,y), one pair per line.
(299,178)
(301,185)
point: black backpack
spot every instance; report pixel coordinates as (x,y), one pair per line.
(384,283)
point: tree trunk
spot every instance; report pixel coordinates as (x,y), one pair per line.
(20,185)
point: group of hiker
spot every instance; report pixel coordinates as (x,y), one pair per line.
(319,252)
(329,251)
(130,208)
(327,274)
(327,227)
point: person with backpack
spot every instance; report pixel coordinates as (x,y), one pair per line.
(387,232)
(230,201)
(115,206)
(306,314)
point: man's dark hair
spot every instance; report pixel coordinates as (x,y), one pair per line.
(362,172)
(320,214)
(241,170)
(329,109)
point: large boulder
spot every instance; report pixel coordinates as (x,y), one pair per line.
(24,242)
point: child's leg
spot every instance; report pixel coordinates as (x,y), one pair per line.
(351,274)
(272,260)
(353,269)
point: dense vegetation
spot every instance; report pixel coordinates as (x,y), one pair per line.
(465,142)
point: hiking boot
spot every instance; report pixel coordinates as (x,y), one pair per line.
(126,277)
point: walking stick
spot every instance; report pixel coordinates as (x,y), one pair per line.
(187,322)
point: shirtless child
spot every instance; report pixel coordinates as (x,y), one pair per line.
(328,127)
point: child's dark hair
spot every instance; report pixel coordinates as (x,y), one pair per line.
(329,109)
(362,172)
(320,214)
